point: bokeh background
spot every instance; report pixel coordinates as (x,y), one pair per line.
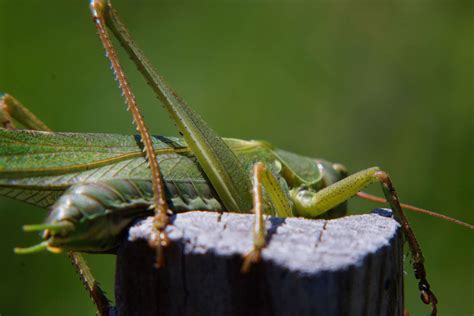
(364,83)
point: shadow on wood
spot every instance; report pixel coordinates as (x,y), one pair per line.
(348,266)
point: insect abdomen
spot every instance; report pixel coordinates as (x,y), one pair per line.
(129,197)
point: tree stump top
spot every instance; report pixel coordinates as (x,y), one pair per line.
(347,266)
(301,245)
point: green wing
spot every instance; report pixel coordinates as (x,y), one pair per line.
(29,153)
(36,167)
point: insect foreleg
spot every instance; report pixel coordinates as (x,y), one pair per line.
(11,108)
(312,204)
(427,296)
(262,177)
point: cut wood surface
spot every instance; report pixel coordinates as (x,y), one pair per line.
(347,266)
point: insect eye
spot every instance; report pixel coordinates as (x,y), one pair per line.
(278,166)
(46,234)
(341,169)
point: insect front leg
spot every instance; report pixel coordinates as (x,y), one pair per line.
(11,109)
(312,204)
(262,177)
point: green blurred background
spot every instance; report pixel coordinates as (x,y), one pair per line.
(364,83)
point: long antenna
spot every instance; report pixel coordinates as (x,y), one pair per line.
(376,199)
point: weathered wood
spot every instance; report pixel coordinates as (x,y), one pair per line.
(348,266)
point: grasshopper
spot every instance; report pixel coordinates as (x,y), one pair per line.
(222,169)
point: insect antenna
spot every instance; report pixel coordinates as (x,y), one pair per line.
(376,199)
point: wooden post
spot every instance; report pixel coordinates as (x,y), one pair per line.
(348,266)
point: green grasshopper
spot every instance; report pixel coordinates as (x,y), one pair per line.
(97,184)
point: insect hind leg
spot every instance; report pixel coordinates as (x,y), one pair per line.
(90,283)
(12,110)
(99,9)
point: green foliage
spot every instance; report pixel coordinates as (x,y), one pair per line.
(364,84)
